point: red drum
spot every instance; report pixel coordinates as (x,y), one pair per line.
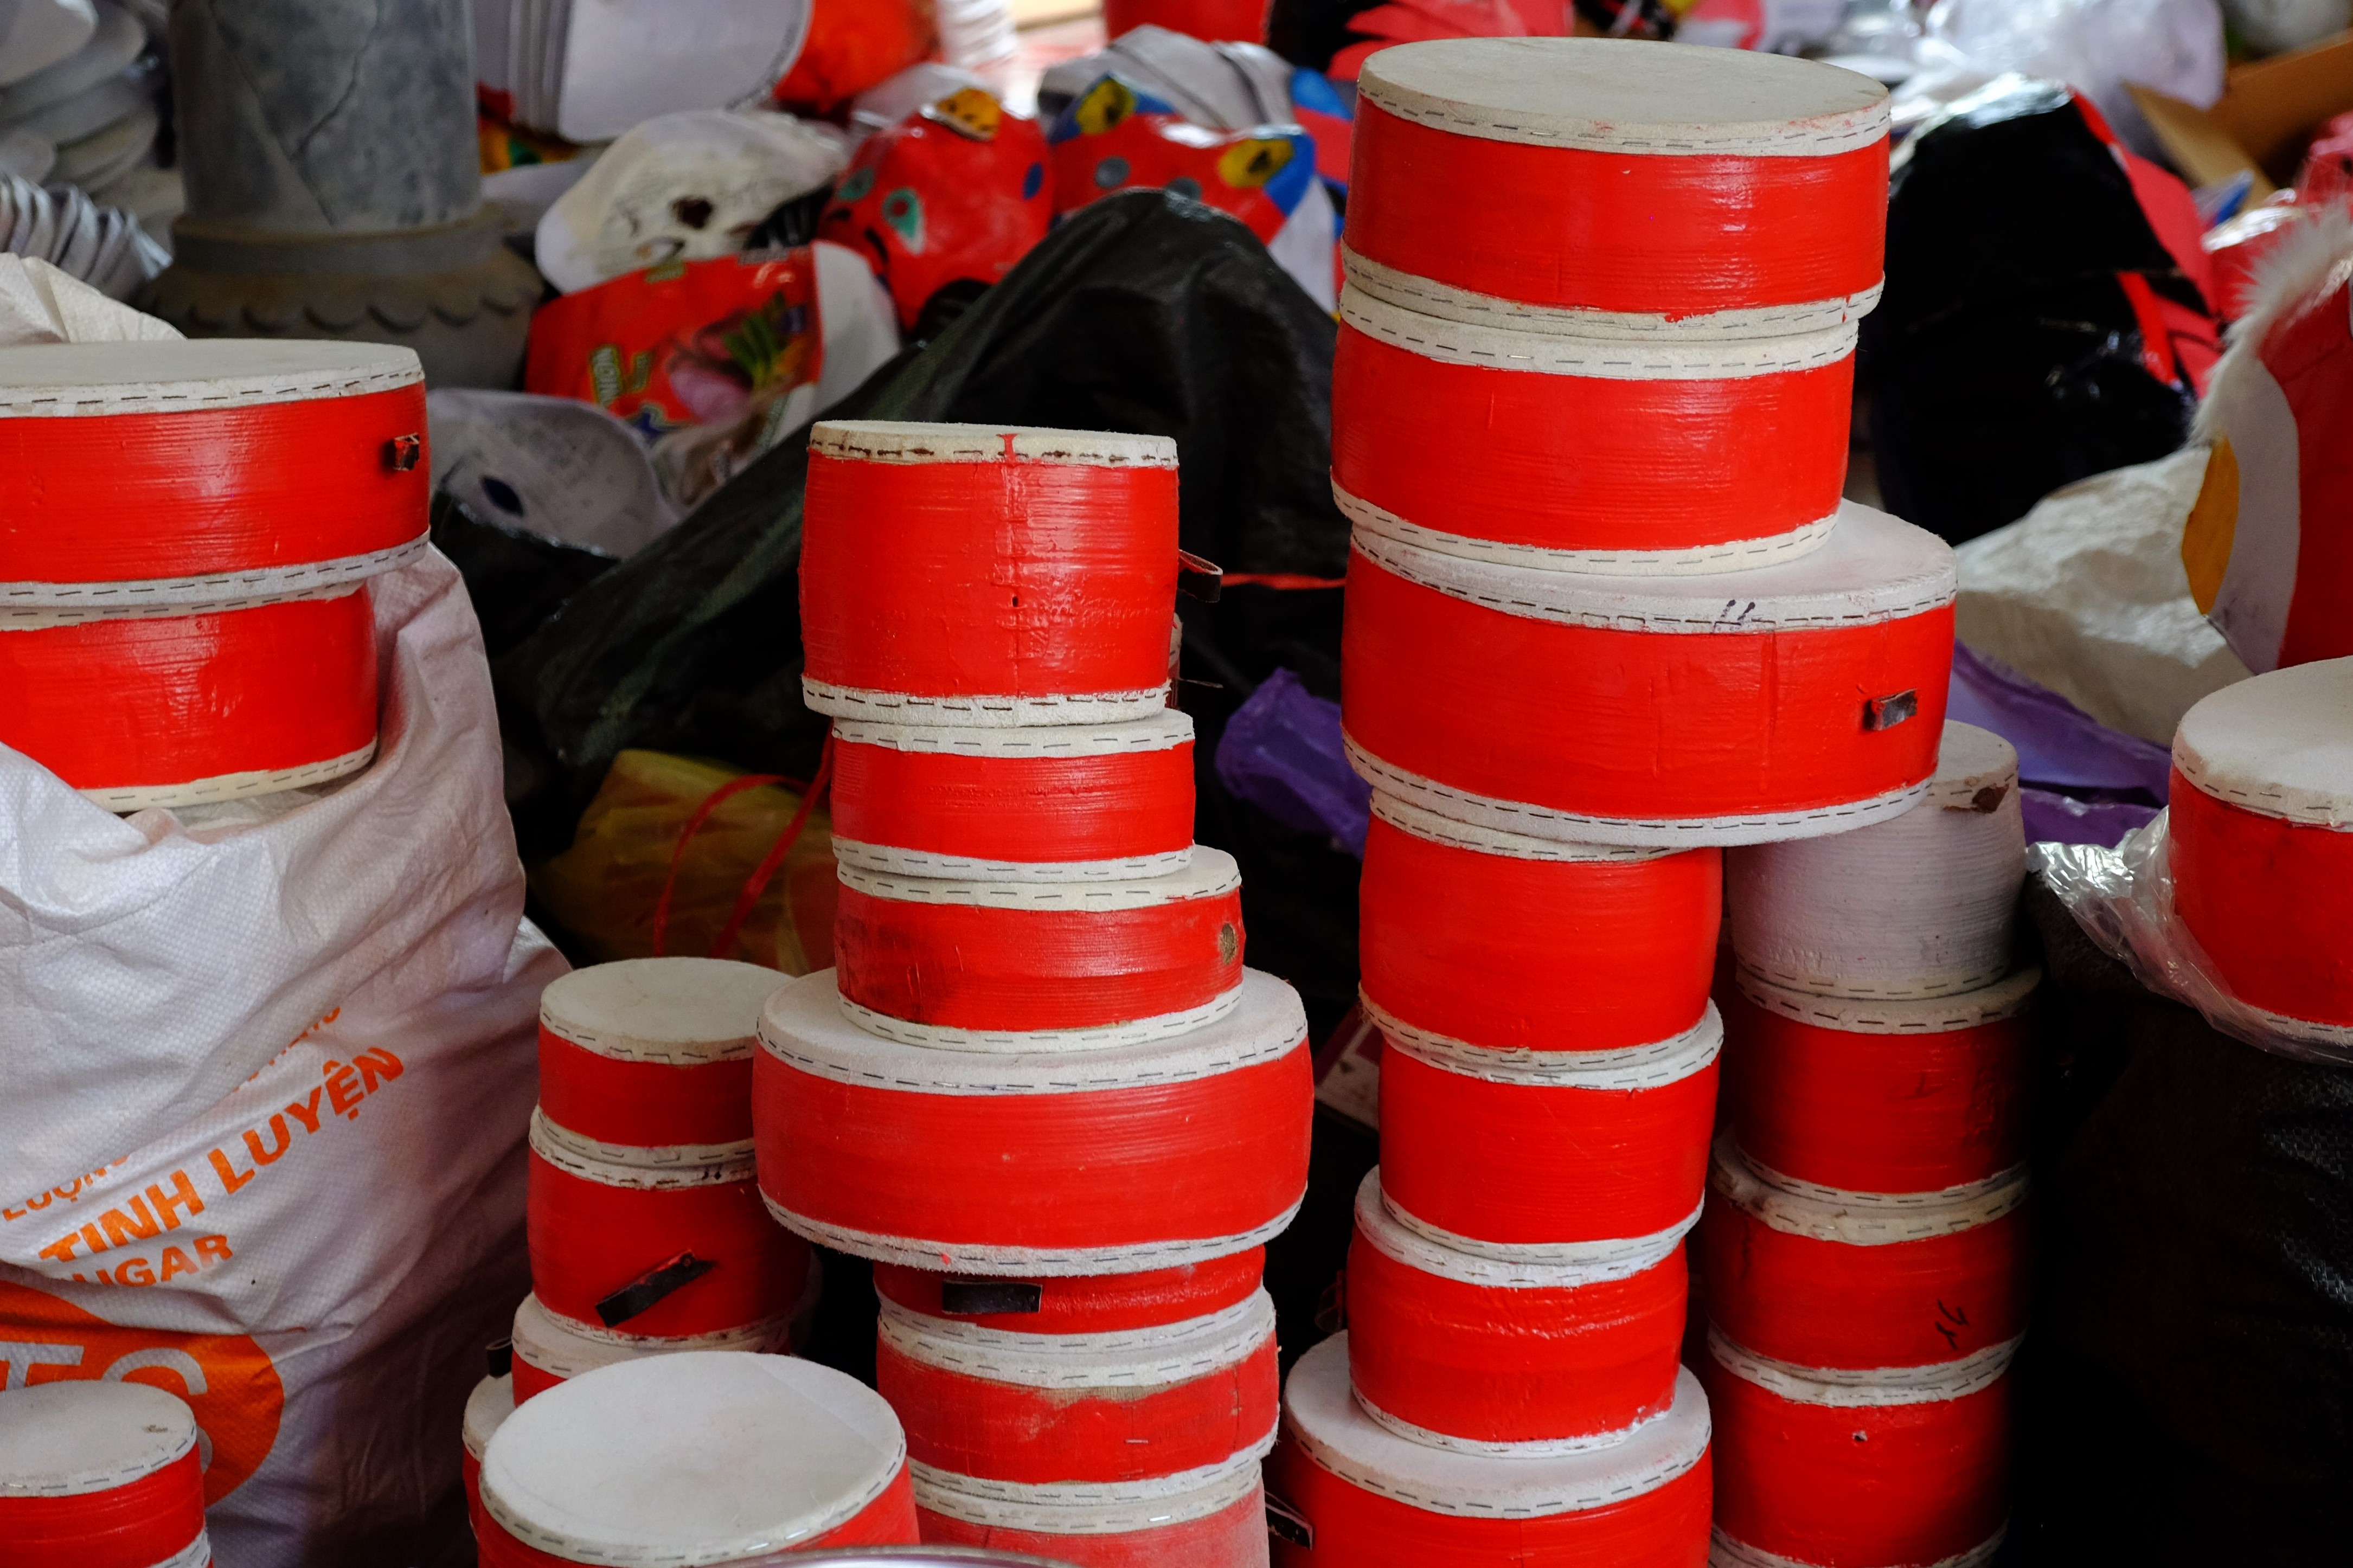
(1879,1097)
(1855,1281)
(1480,937)
(660,1250)
(2261,844)
(1614,189)
(980,575)
(1511,446)
(1080,1304)
(1786,702)
(1812,1470)
(1921,905)
(1574,1158)
(185,473)
(97,1473)
(1002,1410)
(1222,1525)
(487,1409)
(696,1459)
(549,1349)
(1365,1498)
(653,1053)
(1487,1356)
(1028,966)
(1068,803)
(1141,1157)
(224,702)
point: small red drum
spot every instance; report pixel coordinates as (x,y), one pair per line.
(1513,447)
(1003,1409)
(1879,1097)
(2261,844)
(1570,1157)
(1076,1304)
(193,472)
(487,1409)
(653,1053)
(1482,937)
(1221,1524)
(1066,803)
(98,1473)
(659,1249)
(1921,905)
(1856,1282)
(1617,189)
(984,574)
(696,1459)
(217,703)
(1141,1157)
(1811,1469)
(1028,966)
(549,1349)
(1789,701)
(1514,1358)
(1352,1494)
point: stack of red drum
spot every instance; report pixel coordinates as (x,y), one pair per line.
(1040,1090)
(647,1233)
(1607,614)
(97,1472)
(187,612)
(1863,1254)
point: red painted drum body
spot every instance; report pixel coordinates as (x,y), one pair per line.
(1493,939)
(1039,965)
(198,471)
(1222,1525)
(677,1458)
(1046,804)
(1920,905)
(973,574)
(597,1228)
(1371,1498)
(1138,1157)
(653,1053)
(1812,1470)
(1103,1408)
(99,1474)
(1076,1304)
(1859,1281)
(179,710)
(1602,187)
(1879,1097)
(1510,446)
(1792,701)
(2261,847)
(1484,1153)
(1487,1355)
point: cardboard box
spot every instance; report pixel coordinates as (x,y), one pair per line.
(2265,117)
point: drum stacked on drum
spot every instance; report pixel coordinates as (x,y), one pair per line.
(185,614)
(1864,1252)
(1607,614)
(95,1471)
(647,1233)
(1040,1090)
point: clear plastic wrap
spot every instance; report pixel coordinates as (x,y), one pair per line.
(2122,898)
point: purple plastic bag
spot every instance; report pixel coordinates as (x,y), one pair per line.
(2060,745)
(1282,752)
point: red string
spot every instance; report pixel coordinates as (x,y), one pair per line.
(711,802)
(1289,579)
(759,883)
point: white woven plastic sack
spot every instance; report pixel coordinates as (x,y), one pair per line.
(263,1090)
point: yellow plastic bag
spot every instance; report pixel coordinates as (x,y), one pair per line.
(604,889)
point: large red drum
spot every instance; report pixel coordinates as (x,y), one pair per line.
(1786,702)
(1614,188)
(1139,1157)
(1509,446)
(984,574)
(1363,1497)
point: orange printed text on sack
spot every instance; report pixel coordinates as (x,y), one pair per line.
(174,1201)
